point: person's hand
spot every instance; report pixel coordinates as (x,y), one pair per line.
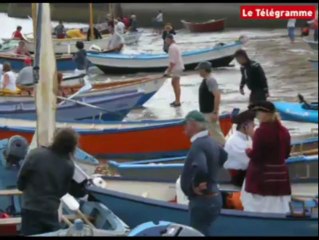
(214,116)
(242,92)
(201,187)
(248,151)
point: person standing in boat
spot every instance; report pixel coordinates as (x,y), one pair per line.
(9,80)
(22,49)
(236,145)
(168,29)
(80,59)
(199,174)
(253,76)
(158,22)
(119,27)
(209,101)
(175,68)
(133,24)
(116,42)
(18,35)
(96,34)
(267,186)
(291,25)
(45,176)
(60,30)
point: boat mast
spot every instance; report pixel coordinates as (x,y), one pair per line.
(91,21)
(34,21)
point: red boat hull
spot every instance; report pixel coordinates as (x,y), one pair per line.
(210,26)
(162,140)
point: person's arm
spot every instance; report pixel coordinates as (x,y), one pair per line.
(6,80)
(262,77)
(25,171)
(214,89)
(258,145)
(200,172)
(242,82)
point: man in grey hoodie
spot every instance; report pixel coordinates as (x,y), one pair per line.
(199,175)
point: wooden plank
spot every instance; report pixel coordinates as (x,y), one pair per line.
(10,221)
(9,192)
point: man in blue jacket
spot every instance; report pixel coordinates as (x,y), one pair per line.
(199,175)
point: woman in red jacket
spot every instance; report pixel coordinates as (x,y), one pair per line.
(267,186)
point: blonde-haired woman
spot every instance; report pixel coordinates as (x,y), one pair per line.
(168,29)
(267,186)
(9,80)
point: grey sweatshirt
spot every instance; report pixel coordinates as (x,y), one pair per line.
(204,154)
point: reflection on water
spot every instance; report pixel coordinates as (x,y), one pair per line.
(286,66)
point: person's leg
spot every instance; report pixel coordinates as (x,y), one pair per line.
(203,212)
(257,96)
(31,223)
(51,222)
(215,130)
(177,89)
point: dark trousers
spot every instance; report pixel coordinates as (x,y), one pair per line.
(315,35)
(237,177)
(36,222)
(257,96)
(203,212)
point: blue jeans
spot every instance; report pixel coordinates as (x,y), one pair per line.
(291,33)
(203,212)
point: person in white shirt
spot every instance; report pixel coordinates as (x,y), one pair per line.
(291,25)
(119,27)
(175,68)
(236,145)
(116,42)
(158,22)
(9,79)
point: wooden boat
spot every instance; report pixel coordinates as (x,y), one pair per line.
(296,112)
(143,139)
(149,85)
(136,202)
(220,55)
(169,169)
(209,26)
(312,44)
(64,62)
(107,107)
(105,222)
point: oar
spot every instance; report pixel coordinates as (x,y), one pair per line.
(73,205)
(89,105)
(85,88)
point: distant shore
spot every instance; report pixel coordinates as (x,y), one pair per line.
(173,13)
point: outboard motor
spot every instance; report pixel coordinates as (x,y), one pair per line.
(16,150)
(164,229)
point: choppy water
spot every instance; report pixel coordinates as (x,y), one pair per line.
(286,66)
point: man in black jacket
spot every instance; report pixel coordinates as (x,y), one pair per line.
(44,178)
(253,76)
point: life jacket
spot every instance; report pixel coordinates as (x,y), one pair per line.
(233,201)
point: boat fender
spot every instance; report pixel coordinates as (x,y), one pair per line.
(16,150)
(95,48)
(99,182)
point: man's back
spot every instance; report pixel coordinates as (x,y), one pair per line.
(175,56)
(203,159)
(44,178)
(25,76)
(115,41)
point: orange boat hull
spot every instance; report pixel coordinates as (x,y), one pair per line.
(161,140)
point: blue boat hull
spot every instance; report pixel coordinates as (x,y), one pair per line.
(295,112)
(117,106)
(17,64)
(135,210)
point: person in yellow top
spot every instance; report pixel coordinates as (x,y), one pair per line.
(75,33)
